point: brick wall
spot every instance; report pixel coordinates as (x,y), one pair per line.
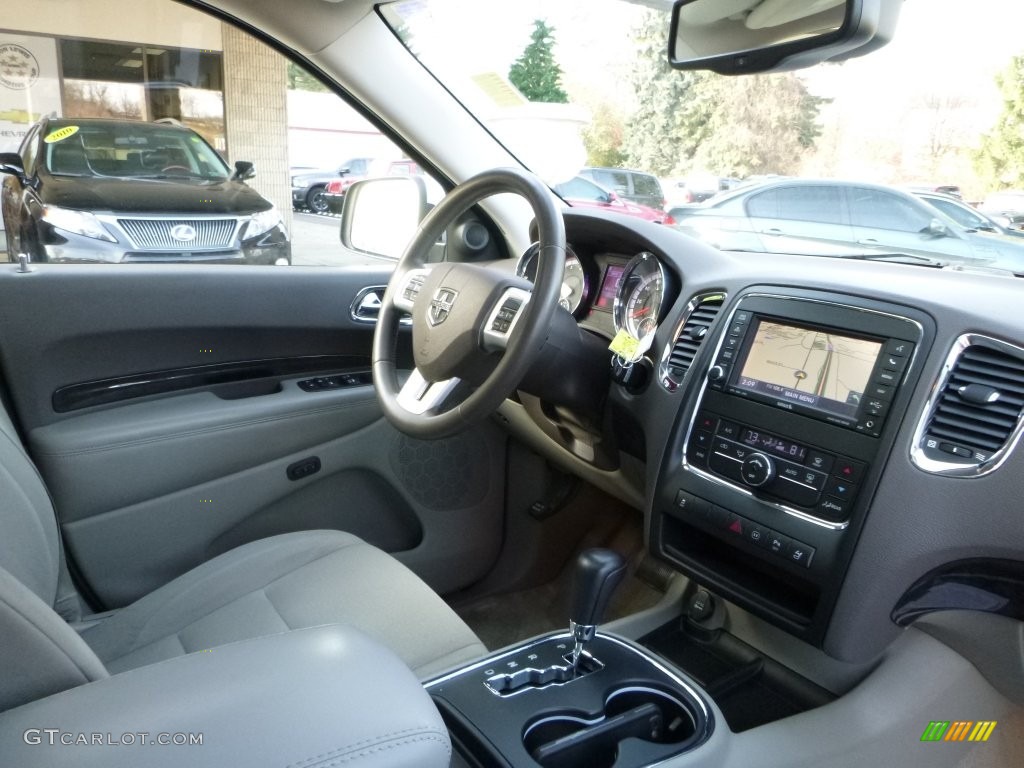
(256,114)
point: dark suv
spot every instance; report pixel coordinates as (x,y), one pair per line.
(101,190)
(636,186)
(309,185)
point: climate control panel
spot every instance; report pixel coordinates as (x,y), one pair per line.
(817,481)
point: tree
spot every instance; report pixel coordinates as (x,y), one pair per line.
(753,125)
(603,137)
(731,126)
(300,80)
(657,134)
(536,73)
(1000,158)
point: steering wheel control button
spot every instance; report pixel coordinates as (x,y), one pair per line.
(758,470)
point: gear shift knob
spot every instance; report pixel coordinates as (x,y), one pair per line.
(598,573)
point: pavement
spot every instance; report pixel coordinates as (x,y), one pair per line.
(315,242)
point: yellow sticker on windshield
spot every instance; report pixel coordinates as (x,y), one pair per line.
(61,133)
(625,345)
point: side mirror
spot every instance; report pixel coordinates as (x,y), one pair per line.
(244,170)
(936,228)
(10,162)
(612,197)
(344,171)
(734,37)
(380,216)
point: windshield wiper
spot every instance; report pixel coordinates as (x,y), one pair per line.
(900,258)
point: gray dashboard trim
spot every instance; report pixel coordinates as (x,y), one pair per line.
(703,387)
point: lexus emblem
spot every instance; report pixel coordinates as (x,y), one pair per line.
(183,233)
(441,306)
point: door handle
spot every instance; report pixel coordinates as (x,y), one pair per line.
(774,231)
(867,241)
(367,303)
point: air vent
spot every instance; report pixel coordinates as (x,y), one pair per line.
(700,313)
(975,416)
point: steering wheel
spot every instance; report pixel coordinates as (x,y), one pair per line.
(464,315)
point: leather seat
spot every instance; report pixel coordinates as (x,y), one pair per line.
(266,587)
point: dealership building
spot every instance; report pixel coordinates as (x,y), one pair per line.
(164,60)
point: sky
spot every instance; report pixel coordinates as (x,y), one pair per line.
(944,50)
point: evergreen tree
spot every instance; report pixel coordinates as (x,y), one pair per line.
(536,73)
(732,126)
(1000,158)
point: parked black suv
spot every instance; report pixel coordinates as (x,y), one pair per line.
(97,190)
(310,184)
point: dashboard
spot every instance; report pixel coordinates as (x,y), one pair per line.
(827,444)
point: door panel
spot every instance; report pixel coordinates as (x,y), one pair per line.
(154,478)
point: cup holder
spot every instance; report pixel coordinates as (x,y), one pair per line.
(638,725)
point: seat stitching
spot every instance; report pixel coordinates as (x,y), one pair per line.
(153,618)
(393,745)
(378,738)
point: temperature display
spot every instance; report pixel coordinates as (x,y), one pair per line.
(776,445)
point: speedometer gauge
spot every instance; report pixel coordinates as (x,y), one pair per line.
(575,286)
(640,296)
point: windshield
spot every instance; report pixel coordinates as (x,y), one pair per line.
(584,89)
(129,150)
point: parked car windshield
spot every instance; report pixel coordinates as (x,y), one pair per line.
(129,149)
(575,88)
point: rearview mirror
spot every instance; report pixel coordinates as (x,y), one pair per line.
(734,37)
(244,170)
(10,162)
(380,216)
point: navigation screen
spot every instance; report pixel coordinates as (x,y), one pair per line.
(610,284)
(813,368)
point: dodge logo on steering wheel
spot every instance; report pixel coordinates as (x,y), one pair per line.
(441,305)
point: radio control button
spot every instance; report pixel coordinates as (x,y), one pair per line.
(757,535)
(887,377)
(777,543)
(841,489)
(832,508)
(847,469)
(879,392)
(718,373)
(737,329)
(899,348)
(741,317)
(729,429)
(894,362)
(799,553)
(820,461)
(725,466)
(758,469)
(794,493)
(731,342)
(875,407)
(726,355)
(707,421)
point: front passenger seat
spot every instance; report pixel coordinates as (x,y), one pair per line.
(269,586)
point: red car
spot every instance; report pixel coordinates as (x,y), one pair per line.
(335,191)
(582,193)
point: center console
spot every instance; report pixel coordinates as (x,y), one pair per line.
(772,469)
(574,700)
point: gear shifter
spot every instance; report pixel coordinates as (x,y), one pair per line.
(598,573)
